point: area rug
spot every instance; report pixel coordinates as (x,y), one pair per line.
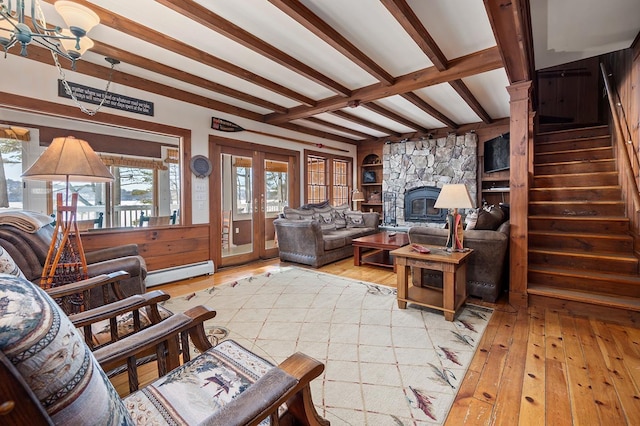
(384,365)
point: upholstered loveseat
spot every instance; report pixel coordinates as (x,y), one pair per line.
(319,234)
(486,268)
(29,251)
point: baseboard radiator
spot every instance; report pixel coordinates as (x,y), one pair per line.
(163,276)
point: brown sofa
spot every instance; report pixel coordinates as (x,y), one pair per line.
(319,234)
(29,251)
(485,267)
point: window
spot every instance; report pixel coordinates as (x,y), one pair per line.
(328,178)
(316,179)
(340,180)
(143,185)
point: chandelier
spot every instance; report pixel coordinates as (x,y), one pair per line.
(70,43)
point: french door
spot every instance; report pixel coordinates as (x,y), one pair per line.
(254,186)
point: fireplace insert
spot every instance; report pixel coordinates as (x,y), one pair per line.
(418,205)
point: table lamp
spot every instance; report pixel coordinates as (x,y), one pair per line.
(357,196)
(453,197)
(71,160)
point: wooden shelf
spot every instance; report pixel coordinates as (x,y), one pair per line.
(372,184)
(364,203)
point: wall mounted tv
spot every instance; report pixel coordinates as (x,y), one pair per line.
(496,154)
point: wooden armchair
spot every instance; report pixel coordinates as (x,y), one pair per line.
(62,382)
(114,319)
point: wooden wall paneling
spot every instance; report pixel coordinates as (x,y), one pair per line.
(624,67)
(162,246)
(521,141)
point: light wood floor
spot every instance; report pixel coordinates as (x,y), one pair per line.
(535,367)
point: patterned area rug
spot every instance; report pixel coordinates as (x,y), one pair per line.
(384,365)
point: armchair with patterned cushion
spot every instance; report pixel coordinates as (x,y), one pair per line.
(62,382)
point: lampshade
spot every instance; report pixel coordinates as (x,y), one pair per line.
(80,19)
(70,45)
(69,159)
(357,196)
(454,196)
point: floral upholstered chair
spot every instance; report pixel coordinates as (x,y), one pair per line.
(48,375)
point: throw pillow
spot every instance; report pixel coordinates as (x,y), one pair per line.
(296,214)
(339,215)
(471,219)
(313,206)
(8,265)
(489,218)
(354,219)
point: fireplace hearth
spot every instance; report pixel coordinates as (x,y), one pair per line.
(418,205)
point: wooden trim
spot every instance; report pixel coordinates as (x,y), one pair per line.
(521,129)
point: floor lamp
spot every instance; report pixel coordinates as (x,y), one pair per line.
(453,197)
(71,160)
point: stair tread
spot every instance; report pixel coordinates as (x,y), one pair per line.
(577,202)
(624,302)
(587,275)
(595,254)
(570,234)
(568,151)
(586,138)
(573,217)
(603,127)
(587,174)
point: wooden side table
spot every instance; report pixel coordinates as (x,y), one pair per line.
(454,276)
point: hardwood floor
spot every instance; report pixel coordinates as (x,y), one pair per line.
(535,367)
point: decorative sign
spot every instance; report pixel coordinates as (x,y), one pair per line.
(94,96)
(225,125)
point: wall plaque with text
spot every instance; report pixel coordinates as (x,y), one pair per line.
(94,96)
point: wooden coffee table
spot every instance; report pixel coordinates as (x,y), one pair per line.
(454,278)
(382,243)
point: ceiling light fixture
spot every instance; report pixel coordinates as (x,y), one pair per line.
(70,43)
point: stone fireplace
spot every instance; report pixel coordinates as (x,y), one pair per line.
(409,167)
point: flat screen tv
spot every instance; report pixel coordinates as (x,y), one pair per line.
(496,154)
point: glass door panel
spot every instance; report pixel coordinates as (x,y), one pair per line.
(274,198)
(237,205)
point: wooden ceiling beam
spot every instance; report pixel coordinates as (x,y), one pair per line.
(510,22)
(465,66)
(305,17)
(319,133)
(147,64)
(338,127)
(393,116)
(403,13)
(135,29)
(366,123)
(465,93)
(426,107)
(43,55)
(214,22)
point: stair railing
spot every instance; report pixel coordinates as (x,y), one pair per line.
(622,141)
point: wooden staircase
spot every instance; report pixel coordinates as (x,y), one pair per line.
(580,246)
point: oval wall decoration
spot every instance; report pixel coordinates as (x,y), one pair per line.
(201,166)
